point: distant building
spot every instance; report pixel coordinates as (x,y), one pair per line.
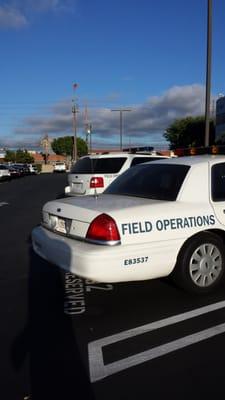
(52,158)
(2,153)
(32,152)
(220,120)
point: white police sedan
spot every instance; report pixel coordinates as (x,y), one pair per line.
(159,218)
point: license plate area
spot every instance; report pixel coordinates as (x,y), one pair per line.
(61,225)
(78,187)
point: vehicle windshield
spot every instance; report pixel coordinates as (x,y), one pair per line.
(109,165)
(152,181)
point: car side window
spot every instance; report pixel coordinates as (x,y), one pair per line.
(141,160)
(218,182)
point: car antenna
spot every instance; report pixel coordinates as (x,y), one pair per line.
(92,170)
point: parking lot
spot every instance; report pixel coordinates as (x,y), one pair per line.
(62,336)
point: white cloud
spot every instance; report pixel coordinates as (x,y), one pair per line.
(49,5)
(146,122)
(155,115)
(22,143)
(11,18)
(16,13)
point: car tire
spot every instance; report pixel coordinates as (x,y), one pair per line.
(201,263)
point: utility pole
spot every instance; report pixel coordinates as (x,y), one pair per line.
(88,129)
(208,72)
(86,124)
(74,112)
(121,111)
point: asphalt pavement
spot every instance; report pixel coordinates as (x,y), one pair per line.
(66,338)
(38,345)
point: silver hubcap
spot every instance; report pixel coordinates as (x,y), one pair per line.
(205,265)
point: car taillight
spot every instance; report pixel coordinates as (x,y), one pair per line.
(96,182)
(103,228)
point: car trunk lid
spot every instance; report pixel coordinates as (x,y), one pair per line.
(78,212)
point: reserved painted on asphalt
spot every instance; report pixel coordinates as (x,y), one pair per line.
(75,289)
(3,203)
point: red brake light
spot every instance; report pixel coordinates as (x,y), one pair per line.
(96,182)
(103,228)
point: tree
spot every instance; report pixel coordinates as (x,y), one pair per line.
(10,156)
(188,132)
(82,148)
(20,156)
(64,146)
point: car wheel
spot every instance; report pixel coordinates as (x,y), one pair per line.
(201,263)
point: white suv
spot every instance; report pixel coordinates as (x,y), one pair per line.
(59,167)
(93,173)
(4,172)
(32,169)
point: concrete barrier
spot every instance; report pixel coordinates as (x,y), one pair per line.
(47,168)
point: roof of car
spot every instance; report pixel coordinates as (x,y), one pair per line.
(124,154)
(193,160)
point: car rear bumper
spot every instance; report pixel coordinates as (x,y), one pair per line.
(102,263)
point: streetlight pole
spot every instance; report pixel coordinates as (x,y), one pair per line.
(208,72)
(90,138)
(121,111)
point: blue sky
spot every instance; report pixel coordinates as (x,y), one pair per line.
(143,54)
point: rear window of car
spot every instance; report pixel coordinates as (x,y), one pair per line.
(152,181)
(3,167)
(89,165)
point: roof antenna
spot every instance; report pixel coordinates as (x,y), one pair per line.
(92,170)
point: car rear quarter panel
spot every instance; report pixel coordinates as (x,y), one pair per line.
(195,188)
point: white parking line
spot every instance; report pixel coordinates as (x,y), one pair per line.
(98,370)
(3,203)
